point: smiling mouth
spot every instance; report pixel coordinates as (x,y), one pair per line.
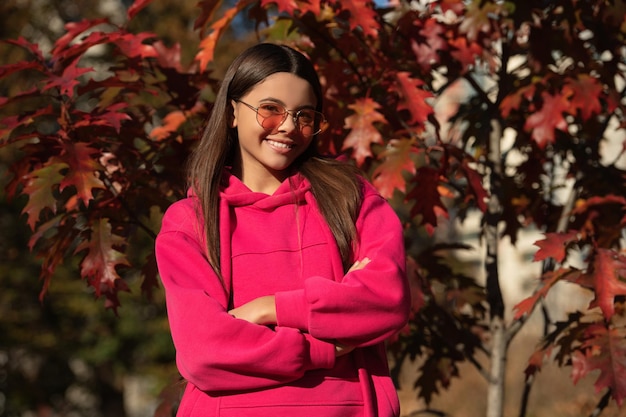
(279,144)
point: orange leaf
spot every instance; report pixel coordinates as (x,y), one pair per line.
(82,169)
(207,45)
(396,159)
(363,132)
(171,123)
(413,98)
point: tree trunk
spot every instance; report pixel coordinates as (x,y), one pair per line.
(495,394)
(495,390)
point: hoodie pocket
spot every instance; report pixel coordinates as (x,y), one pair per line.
(312,397)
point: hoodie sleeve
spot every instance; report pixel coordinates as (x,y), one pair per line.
(366,306)
(214,350)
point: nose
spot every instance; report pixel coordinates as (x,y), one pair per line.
(289,123)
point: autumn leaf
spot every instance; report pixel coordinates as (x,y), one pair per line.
(292,6)
(527,305)
(477,18)
(605,278)
(427,52)
(136,7)
(362,15)
(396,157)
(475,182)
(585,98)
(426,196)
(40,187)
(413,98)
(554,246)
(603,350)
(73,30)
(464,53)
(514,100)
(171,123)
(68,80)
(134,46)
(549,117)
(102,258)
(82,170)
(207,45)
(362,130)
(33,48)
(111,117)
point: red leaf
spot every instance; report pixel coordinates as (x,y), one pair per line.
(605,279)
(68,80)
(33,48)
(110,117)
(586,95)
(605,351)
(102,258)
(291,6)
(413,98)
(208,8)
(82,169)
(388,176)
(554,246)
(550,117)
(427,52)
(40,185)
(527,305)
(6,70)
(133,46)
(73,30)
(425,193)
(466,55)
(514,100)
(363,132)
(362,16)
(136,7)
(475,181)
(168,57)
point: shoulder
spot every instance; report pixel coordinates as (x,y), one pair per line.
(181,216)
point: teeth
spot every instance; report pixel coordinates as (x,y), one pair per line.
(279,144)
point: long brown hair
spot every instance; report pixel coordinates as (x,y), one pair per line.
(334,184)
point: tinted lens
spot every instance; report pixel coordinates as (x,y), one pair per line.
(271,116)
(309,122)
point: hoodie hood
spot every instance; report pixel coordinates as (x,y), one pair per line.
(237,194)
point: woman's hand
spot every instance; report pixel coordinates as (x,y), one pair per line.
(261,310)
(359,264)
(341,350)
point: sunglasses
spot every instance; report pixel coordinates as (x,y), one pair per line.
(270,115)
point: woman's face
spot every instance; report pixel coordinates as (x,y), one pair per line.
(265,153)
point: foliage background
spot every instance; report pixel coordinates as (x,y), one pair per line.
(68,355)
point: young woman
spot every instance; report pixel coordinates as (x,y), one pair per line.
(284,272)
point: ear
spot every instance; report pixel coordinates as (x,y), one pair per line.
(233,114)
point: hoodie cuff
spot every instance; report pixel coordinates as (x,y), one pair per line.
(321,354)
(291,310)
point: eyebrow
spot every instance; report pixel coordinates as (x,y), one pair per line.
(282,103)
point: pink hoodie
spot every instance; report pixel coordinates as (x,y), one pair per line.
(280,244)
